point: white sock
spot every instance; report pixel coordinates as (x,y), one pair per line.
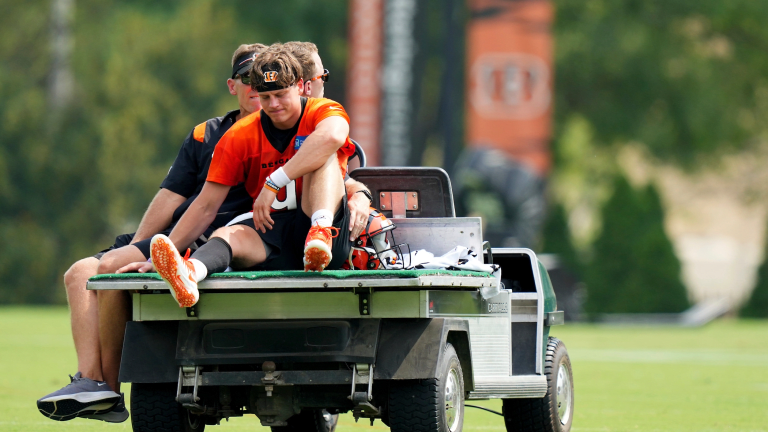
(324,218)
(201,271)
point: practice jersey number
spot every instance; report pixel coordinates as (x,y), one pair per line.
(286,198)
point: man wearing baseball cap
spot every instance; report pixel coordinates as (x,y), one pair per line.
(94,390)
(292,157)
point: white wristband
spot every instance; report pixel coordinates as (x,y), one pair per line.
(279,178)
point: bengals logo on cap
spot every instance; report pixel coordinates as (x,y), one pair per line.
(270,76)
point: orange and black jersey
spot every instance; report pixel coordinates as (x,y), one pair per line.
(190,169)
(254,148)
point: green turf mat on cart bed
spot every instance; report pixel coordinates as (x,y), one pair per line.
(328,274)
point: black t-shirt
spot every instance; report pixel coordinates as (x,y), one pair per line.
(280,138)
(190,169)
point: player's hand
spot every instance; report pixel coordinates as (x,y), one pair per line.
(141,267)
(262,207)
(359,209)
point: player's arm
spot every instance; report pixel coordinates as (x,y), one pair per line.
(178,185)
(159,214)
(359,206)
(199,215)
(328,137)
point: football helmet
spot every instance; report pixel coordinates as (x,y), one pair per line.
(375,248)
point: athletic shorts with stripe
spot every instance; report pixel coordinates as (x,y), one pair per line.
(288,234)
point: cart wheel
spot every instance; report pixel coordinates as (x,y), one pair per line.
(154,409)
(310,420)
(430,405)
(553,412)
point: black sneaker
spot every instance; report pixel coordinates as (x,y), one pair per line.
(117,414)
(331,420)
(82,396)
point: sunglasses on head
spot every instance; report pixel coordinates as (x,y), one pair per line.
(324,76)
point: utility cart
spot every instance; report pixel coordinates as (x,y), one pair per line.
(408,347)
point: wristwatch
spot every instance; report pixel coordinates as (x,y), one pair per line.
(367,195)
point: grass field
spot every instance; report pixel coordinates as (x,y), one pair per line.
(627,379)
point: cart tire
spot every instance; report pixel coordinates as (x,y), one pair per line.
(310,420)
(154,409)
(429,405)
(553,412)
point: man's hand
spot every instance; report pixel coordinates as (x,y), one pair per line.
(141,267)
(359,209)
(262,207)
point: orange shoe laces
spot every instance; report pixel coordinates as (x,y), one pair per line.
(189,265)
(324,232)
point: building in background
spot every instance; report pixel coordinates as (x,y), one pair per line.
(501,174)
(499,54)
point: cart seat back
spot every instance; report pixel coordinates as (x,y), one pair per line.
(432,186)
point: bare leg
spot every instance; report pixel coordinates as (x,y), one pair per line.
(323,189)
(114,313)
(84,315)
(247,247)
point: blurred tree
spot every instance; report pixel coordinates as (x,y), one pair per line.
(633,268)
(757,305)
(28,177)
(686,78)
(556,239)
(145,73)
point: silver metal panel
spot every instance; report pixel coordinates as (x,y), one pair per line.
(466,303)
(446,281)
(489,338)
(524,310)
(280,305)
(520,318)
(314,283)
(539,298)
(520,386)
(439,235)
(523,296)
(555,318)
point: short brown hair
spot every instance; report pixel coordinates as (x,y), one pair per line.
(309,46)
(255,48)
(276,58)
(303,53)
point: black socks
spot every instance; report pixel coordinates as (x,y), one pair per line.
(216,255)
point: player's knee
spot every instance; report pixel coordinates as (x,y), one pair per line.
(79,271)
(69,275)
(226,233)
(332,162)
(109,263)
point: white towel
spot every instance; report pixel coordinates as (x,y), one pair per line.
(458,258)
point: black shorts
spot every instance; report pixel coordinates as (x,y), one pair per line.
(288,234)
(143,245)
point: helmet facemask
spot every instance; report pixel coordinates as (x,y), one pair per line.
(376,248)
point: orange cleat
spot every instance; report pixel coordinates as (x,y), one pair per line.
(176,270)
(317,248)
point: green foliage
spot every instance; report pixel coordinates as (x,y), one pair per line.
(757,305)
(634,268)
(145,74)
(557,239)
(686,78)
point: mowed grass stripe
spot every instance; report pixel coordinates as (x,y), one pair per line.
(711,357)
(627,379)
(669,379)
